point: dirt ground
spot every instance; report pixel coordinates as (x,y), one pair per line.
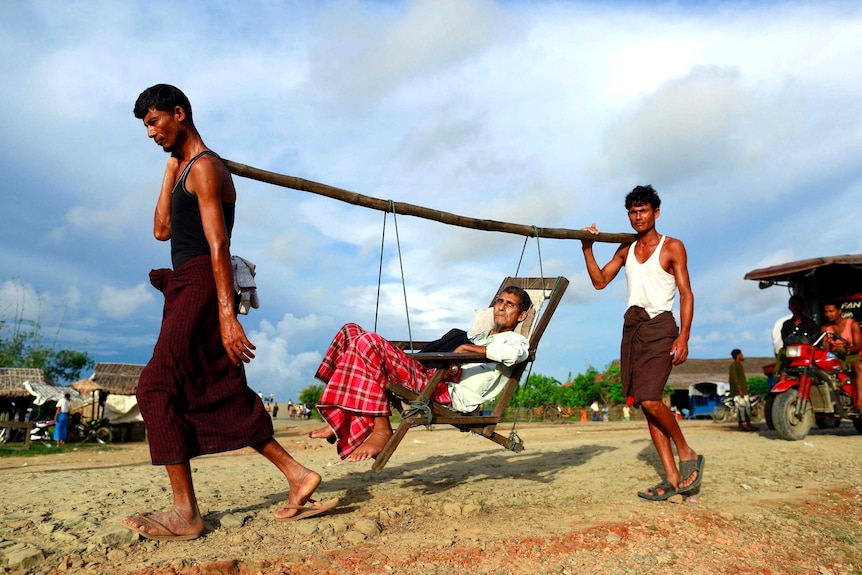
(453,503)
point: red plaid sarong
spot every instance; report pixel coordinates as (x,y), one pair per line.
(356,367)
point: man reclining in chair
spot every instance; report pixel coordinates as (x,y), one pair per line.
(359,363)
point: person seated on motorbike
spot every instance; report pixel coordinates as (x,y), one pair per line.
(799,328)
(844,339)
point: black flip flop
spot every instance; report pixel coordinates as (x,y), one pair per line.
(653,495)
(686,468)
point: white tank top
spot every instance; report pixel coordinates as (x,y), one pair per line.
(649,285)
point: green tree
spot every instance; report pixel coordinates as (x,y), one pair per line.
(606,387)
(311,394)
(757,385)
(539,390)
(23,345)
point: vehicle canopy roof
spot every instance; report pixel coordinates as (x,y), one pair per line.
(818,280)
(785,272)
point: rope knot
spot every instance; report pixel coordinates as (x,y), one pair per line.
(418,408)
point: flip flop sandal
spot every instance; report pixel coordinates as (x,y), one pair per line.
(306,511)
(158,530)
(686,468)
(331,439)
(653,492)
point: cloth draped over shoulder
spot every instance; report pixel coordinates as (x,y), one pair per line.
(243,284)
(193,398)
(645,360)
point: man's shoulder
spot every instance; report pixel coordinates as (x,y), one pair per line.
(673,243)
(208,172)
(209,161)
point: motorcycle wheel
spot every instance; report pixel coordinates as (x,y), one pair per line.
(788,425)
(552,413)
(857,423)
(827,421)
(104,435)
(721,414)
(767,411)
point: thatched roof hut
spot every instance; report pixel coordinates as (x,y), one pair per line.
(116,378)
(716,370)
(113,387)
(12,381)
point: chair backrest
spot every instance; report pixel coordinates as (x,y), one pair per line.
(546,294)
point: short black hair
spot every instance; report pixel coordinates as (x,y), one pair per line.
(735,353)
(162,97)
(523,297)
(642,195)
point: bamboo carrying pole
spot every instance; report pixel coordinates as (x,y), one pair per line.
(402,208)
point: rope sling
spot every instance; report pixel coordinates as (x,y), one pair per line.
(423,407)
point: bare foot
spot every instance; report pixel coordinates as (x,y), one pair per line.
(322,433)
(370,447)
(300,493)
(168,525)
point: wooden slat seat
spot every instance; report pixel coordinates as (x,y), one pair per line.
(546,294)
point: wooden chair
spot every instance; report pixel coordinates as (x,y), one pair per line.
(546,294)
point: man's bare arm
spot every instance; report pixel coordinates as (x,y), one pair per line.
(601,277)
(856,344)
(679,269)
(162,217)
(206,180)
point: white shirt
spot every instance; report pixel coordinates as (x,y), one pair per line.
(649,285)
(481,382)
(777,342)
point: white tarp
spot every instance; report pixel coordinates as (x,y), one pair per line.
(708,388)
(122,409)
(44,392)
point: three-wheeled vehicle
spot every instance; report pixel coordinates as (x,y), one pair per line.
(812,385)
(705,398)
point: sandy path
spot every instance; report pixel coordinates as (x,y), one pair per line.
(449,502)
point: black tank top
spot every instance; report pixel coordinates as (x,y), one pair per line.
(187,230)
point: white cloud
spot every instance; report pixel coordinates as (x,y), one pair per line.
(361,56)
(121,303)
(283,361)
(743,116)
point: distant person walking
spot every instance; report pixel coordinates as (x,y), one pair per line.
(739,391)
(597,411)
(656,268)
(61,418)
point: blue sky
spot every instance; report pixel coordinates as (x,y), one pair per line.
(744,116)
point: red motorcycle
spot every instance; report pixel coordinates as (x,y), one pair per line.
(813,387)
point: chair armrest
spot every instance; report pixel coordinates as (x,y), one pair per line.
(443,359)
(401,344)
